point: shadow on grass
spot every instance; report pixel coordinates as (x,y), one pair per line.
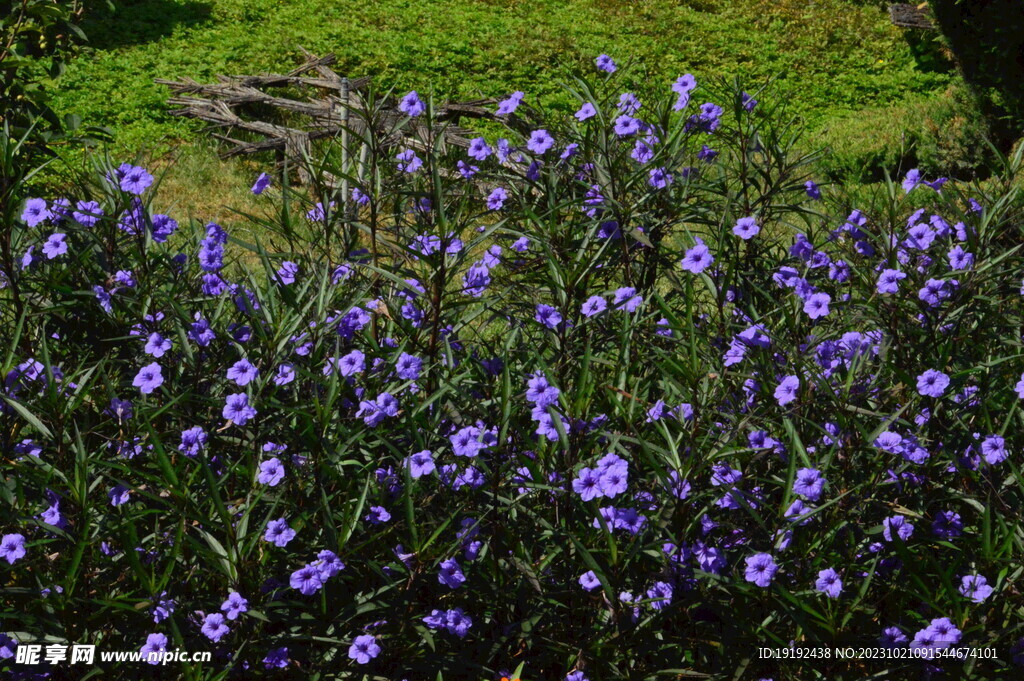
(133,22)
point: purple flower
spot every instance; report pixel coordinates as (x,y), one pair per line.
(378,515)
(507,106)
(932,383)
(243,372)
(548,316)
(285,374)
(271,472)
(157,345)
(155,645)
(88,213)
(411,105)
(812,190)
(787,390)
(450,574)
(605,63)
(261,184)
(12,547)
(363,649)
(278,533)
(760,569)
(287,272)
(149,378)
(35,212)
(408,367)
(237,409)
(589,581)
(626,125)
(118,495)
(192,441)
(828,583)
(496,199)
(898,524)
(697,259)
(234,606)
(659,178)
(816,305)
(593,306)
(478,149)
(746,228)
(420,464)
(888,281)
(408,161)
(993,448)
(912,179)
(277,658)
(55,246)
(975,587)
(809,483)
(134,179)
(214,627)
(586,111)
(307,580)
(540,141)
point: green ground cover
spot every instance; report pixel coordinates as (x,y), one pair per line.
(834,57)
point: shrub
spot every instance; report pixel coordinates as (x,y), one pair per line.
(618,397)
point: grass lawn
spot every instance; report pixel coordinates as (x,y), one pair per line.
(833,58)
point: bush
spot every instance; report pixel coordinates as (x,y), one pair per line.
(943,135)
(618,398)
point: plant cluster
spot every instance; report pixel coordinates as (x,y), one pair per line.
(624,397)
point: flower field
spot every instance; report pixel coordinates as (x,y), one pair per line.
(630,396)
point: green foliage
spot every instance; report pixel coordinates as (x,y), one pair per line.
(942,134)
(831,56)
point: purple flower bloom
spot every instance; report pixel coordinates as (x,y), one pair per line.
(589,581)
(478,149)
(88,213)
(243,372)
(134,179)
(760,569)
(278,533)
(548,316)
(816,305)
(697,259)
(118,495)
(307,580)
(898,524)
(277,658)
(450,574)
(411,105)
(420,464)
(828,583)
(149,378)
(912,179)
(214,627)
(155,646)
(408,161)
(12,547)
(271,472)
(234,606)
(659,178)
(363,649)
(507,106)
(237,409)
(809,483)
(746,228)
(55,246)
(626,125)
(932,383)
(605,63)
(540,141)
(975,587)
(261,184)
(593,306)
(993,448)
(787,390)
(586,111)
(36,212)
(888,281)
(496,199)
(812,190)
